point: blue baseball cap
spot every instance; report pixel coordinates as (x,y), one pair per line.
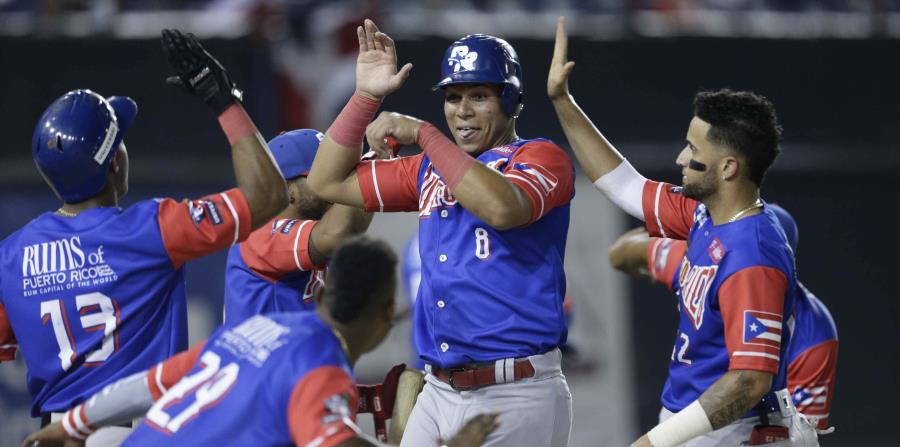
(295,151)
(789,225)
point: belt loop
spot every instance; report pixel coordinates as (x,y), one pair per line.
(499,371)
(510,367)
(785,402)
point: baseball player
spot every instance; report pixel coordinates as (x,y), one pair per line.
(271,380)
(281,266)
(812,354)
(91,292)
(737,281)
(493,218)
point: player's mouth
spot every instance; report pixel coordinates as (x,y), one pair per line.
(467,133)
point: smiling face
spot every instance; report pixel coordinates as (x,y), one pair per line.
(475,117)
(699,184)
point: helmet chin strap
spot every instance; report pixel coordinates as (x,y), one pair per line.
(696,165)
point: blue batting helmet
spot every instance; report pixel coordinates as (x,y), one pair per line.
(483,59)
(76,139)
(295,151)
(789,226)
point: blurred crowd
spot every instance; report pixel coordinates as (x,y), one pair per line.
(51,7)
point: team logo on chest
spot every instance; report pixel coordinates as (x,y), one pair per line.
(434,193)
(695,282)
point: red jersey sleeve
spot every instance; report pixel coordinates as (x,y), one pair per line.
(8,343)
(667,212)
(390,185)
(752,306)
(811,380)
(663,258)
(195,228)
(545,174)
(168,372)
(322,408)
(279,248)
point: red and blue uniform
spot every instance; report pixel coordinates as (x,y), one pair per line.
(272,271)
(271,380)
(812,353)
(100,296)
(485,294)
(735,288)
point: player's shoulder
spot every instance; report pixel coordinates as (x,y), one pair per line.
(541,146)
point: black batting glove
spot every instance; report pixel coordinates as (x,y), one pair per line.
(199,72)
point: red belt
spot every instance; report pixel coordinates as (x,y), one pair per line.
(467,378)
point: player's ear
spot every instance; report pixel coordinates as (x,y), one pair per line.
(730,167)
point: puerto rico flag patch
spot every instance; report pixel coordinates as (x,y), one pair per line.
(811,397)
(762,328)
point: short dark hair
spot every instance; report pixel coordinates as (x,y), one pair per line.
(744,122)
(360,268)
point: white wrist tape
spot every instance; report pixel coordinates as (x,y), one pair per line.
(683,426)
(624,186)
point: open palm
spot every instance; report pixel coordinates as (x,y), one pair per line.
(376,65)
(560,67)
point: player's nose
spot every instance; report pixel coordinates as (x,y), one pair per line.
(683,157)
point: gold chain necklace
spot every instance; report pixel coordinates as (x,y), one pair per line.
(65,213)
(341,339)
(755,205)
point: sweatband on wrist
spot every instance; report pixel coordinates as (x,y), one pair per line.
(624,186)
(683,426)
(236,124)
(75,424)
(349,128)
(451,161)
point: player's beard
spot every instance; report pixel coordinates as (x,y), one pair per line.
(702,188)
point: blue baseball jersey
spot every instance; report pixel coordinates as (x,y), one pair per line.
(736,288)
(812,351)
(272,271)
(485,294)
(270,380)
(99,296)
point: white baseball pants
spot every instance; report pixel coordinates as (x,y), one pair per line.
(802,433)
(536,411)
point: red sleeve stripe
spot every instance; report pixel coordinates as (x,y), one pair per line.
(296,243)
(662,230)
(377,190)
(755,354)
(74,423)
(532,185)
(237,219)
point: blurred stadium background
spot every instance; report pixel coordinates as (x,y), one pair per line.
(830,66)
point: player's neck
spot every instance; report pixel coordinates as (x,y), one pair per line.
(351,342)
(106,198)
(733,202)
(508,137)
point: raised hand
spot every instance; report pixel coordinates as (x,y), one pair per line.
(376,65)
(198,72)
(560,66)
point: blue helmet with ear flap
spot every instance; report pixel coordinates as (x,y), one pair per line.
(483,59)
(75,140)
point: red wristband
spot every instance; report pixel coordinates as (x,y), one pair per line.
(236,123)
(451,161)
(349,128)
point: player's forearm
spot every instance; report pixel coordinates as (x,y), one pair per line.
(255,170)
(733,395)
(594,152)
(492,198)
(339,223)
(629,253)
(117,403)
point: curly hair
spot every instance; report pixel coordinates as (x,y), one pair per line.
(360,269)
(744,122)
